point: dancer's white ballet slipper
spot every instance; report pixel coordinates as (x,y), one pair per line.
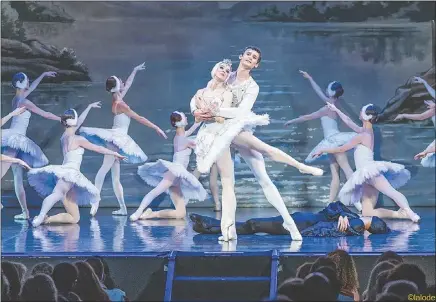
(293,230)
(22,216)
(94,208)
(358,206)
(295,246)
(135,216)
(38,220)
(310,170)
(146,214)
(228,246)
(120,212)
(408,214)
(229,233)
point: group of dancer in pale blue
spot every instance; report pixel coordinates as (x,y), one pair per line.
(223,109)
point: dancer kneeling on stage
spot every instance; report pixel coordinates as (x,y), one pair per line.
(172,177)
(66,182)
(336,220)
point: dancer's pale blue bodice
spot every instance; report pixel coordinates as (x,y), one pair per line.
(20,123)
(182,157)
(363,156)
(121,122)
(329,126)
(73,158)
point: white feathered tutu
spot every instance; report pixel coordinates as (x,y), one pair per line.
(366,170)
(336,140)
(24,148)
(214,138)
(428,161)
(116,140)
(44,180)
(153,173)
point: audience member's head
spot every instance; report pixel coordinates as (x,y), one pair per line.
(5,288)
(381,281)
(331,276)
(369,294)
(401,288)
(318,288)
(71,296)
(97,266)
(323,261)
(346,271)
(11,274)
(282,298)
(410,272)
(39,288)
(108,281)
(388,297)
(42,268)
(390,256)
(65,277)
(88,285)
(21,270)
(293,289)
(304,270)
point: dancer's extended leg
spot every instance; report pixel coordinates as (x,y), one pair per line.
(59,192)
(164,185)
(383,185)
(248,140)
(108,161)
(179,203)
(336,181)
(226,171)
(19,191)
(71,216)
(213,185)
(257,165)
(118,188)
(342,160)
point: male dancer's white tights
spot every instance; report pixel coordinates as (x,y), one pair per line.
(113,164)
(59,193)
(18,172)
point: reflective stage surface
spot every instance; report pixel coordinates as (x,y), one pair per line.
(107,234)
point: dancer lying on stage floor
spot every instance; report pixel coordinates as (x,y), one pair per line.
(65,182)
(371,177)
(336,220)
(118,139)
(172,177)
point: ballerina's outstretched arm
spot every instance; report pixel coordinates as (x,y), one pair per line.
(347,120)
(38,80)
(307,117)
(130,79)
(124,108)
(84,143)
(344,148)
(85,112)
(16,112)
(430,149)
(420,116)
(14,160)
(316,87)
(427,86)
(192,129)
(35,109)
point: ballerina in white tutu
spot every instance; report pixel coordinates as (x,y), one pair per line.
(172,177)
(16,144)
(117,139)
(332,136)
(65,182)
(427,156)
(371,177)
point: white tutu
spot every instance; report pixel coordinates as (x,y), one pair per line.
(44,180)
(24,148)
(336,140)
(428,161)
(153,173)
(213,138)
(366,170)
(117,140)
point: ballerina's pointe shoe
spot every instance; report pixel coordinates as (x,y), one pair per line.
(311,170)
(120,212)
(293,230)
(135,216)
(22,216)
(358,206)
(408,214)
(146,214)
(94,209)
(38,220)
(229,233)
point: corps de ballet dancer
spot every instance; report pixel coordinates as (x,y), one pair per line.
(172,177)
(65,182)
(428,155)
(335,220)
(332,136)
(244,93)
(16,144)
(117,139)
(371,177)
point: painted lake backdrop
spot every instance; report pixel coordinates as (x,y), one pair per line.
(373,53)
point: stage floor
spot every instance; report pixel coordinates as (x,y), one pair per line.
(112,234)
